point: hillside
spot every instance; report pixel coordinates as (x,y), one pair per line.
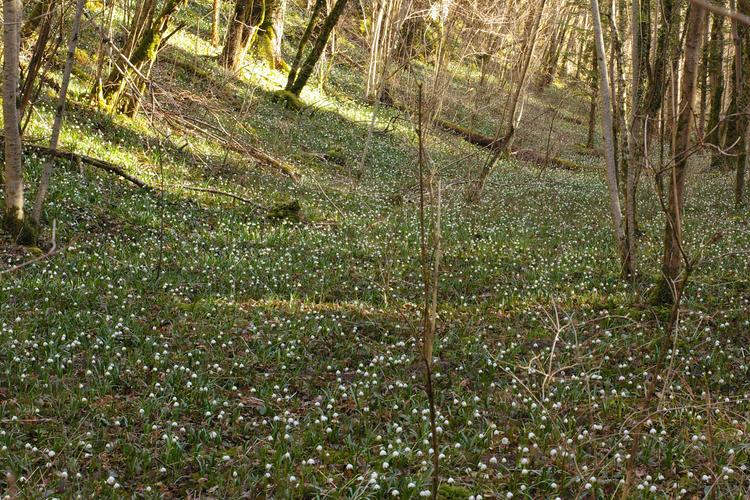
(249,324)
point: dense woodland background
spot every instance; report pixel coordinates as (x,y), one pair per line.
(375,248)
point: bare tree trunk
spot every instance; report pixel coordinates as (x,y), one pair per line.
(513,115)
(594,98)
(609,144)
(581,58)
(703,82)
(716,84)
(39,54)
(308,65)
(742,55)
(278,26)
(41,193)
(303,41)
(234,48)
(215,20)
(503,144)
(13,174)
(673,250)
(626,166)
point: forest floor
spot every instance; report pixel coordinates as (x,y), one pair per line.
(186,343)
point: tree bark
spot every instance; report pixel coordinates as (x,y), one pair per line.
(39,54)
(609,144)
(308,65)
(234,49)
(215,20)
(267,41)
(716,84)
(144,40)
(303,41)
(41,192)
(673,251)
(594,81)
(13,173)
(742,65)
(504,144)
(513,115)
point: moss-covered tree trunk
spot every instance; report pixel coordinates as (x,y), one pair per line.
(270,22)
(256,25)
(296,84)
(147,31)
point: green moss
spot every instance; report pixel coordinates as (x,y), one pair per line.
(20,229)
(146,50)
(83,64)
(661,294)
(449,492)
(289,100)
(289,210)
(264,46)
(335,155)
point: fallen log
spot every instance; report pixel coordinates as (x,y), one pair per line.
(112,168)
(471,136)
(94,162)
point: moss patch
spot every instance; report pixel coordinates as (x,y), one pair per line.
(289,99)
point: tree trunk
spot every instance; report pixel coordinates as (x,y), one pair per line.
(38,14)
(703,83)
(267,40)
(144,40)
(278,26)
(41,192)
(742,65)
(609,144)
(626,166)
(716,84)
(234,49)
(303,41)
(39,54)
(673,251)
(503,144)
(513,115)
(594,98)
(13,174)
(308,65)
(215,21)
